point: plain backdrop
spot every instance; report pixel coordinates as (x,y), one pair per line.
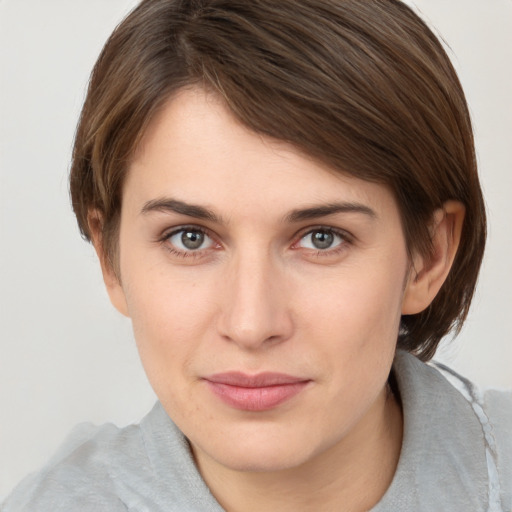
(65,355)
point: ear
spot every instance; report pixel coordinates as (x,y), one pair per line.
(428,274)
(111,276)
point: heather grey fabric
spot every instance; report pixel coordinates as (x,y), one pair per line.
(456,456)
(457,447)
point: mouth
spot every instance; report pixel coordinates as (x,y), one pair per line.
(255,393)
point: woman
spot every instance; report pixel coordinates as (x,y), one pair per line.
(284,200)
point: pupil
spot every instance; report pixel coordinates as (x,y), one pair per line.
(322,239)
(192,239)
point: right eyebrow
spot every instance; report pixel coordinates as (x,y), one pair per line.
(174,206)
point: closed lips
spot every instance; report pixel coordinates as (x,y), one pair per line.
(259,392)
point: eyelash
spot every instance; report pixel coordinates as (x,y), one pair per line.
(164,240)
(346,239)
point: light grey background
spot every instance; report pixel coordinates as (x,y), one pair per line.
(66,356)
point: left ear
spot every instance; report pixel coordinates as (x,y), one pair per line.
(428,273)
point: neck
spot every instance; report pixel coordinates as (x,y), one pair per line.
(352,475)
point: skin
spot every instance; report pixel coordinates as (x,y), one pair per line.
(257,295)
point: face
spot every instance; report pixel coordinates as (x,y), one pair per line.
(265,290)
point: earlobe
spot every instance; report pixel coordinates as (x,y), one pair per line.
(427,274)
(111,277)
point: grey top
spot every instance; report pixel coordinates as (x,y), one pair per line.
(456,456)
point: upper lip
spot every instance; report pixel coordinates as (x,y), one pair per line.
(259,380)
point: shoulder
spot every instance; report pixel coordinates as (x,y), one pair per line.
(497,407)
(146,467)
(81,472)
(493,409)
(461,435)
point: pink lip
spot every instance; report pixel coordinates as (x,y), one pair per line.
(259,392)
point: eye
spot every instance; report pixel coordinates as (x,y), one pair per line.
(190,239)
(321,239)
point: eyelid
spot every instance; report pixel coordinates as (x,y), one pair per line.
(167,234)
(342,233)
(330,254)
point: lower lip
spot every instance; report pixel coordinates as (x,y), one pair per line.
(256,399)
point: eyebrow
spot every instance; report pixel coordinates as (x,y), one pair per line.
(175,206)
(315,212)
(298,215)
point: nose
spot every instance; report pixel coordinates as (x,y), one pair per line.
(255,309)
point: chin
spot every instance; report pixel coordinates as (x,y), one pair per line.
(261,461)
(260,451)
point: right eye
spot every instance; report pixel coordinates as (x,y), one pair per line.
(187,240)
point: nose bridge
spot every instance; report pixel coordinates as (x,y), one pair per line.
(255,310)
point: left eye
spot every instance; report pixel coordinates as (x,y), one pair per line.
(321,239)
(190,240)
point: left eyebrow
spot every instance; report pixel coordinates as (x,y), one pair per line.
(315,212)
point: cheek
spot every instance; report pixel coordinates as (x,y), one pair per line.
(170,314)
(358,305)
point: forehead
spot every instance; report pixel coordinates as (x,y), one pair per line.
(195,149)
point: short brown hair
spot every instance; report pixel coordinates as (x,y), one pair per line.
(362,85)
